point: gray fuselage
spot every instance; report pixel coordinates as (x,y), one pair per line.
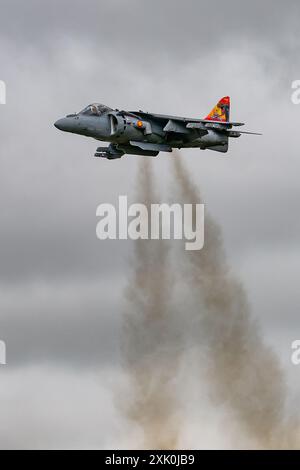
(140,134)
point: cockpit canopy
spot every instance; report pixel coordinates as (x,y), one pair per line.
(95,109)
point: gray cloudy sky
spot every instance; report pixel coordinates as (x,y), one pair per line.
(60,287)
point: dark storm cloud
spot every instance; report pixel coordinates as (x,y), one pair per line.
(63,323)
(150,32)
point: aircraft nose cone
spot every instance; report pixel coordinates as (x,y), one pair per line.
(60,124)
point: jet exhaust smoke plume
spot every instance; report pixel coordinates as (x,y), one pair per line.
(149,341)
(243,373)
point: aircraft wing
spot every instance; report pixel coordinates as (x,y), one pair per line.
(165,118)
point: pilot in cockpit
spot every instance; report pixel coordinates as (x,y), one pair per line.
(95,109)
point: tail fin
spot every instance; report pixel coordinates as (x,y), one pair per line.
(221,111)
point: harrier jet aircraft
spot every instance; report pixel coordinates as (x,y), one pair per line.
(143,133)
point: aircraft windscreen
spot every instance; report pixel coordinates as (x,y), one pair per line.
(95,109)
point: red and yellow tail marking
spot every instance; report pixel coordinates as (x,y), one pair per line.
(221,111)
